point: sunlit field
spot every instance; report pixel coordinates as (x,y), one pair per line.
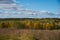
(24,34)
(30,29)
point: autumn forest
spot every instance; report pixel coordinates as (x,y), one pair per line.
(30,23)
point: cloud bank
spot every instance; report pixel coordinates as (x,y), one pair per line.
(17,11)
(7,1)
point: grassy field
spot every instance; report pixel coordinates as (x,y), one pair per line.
(30,29)
(27,34)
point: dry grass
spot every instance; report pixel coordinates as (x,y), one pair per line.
(25,34)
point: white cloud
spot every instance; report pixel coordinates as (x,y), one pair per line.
(18,11)
(14,1)
(6,1)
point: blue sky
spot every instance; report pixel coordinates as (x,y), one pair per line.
(47,5)
(39,9)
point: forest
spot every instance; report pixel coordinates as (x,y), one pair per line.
(30,23)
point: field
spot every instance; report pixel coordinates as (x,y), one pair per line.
(30,29)
(25,34)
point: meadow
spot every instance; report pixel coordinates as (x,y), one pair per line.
(30,29)
(24,34)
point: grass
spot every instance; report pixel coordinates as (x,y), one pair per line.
(27,34)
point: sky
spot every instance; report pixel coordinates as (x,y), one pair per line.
(44,5)
(30,9)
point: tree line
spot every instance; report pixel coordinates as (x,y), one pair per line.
(30,23)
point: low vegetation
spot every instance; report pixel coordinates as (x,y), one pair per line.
(30,29)
(30,23)
(18,34)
